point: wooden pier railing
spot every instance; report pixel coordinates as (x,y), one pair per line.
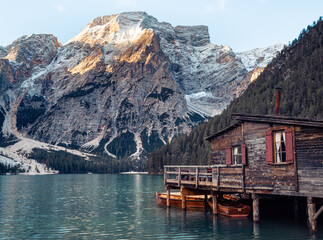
(208,177)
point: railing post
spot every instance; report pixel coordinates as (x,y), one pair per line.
(213,176)
(165,175)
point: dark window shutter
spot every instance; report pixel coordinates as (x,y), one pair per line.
(289,145)
(243,154)
(228,155)
(269,147)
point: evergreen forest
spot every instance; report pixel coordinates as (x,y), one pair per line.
(65,162)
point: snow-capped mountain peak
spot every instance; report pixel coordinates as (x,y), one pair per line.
(119,28)
(259,57)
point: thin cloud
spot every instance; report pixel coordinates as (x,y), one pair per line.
(218,6)
(59,8)
(126,3)
(208,9)
(222,4)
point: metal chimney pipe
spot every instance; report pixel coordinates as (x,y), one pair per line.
(277,100)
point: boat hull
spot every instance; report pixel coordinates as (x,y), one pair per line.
(176,200)
(235,211)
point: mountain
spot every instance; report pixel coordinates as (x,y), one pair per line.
(125,85)
(297,69)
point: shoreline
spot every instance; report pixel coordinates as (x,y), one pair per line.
(134,173)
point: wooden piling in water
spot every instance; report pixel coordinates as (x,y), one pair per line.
(205,201)
(168,197)
(311,214)
(183,202)
(255,207)
(215,204)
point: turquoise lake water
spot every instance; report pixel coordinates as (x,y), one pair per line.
(116,206)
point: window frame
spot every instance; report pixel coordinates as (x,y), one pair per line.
(282,149)
(233,160)
(271,145)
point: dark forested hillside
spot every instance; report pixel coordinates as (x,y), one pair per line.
(298,70)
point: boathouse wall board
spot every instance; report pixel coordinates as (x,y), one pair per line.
(231,177)
(309,155)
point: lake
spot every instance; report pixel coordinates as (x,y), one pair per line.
(114,206)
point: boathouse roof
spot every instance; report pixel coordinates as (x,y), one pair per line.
(240,117)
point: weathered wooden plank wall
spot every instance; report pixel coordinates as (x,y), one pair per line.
(259,173)
(231,177)
(232,137)
(309,155)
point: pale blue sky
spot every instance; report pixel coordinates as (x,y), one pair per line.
(240,24)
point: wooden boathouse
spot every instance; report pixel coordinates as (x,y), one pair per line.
(259,156)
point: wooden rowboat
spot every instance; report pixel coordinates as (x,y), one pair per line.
(176,200)
(233,209)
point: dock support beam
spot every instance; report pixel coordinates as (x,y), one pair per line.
(215,204)
(311,214)
(255,207)
(205,201)
(183,202)
(168,197)
(184,193)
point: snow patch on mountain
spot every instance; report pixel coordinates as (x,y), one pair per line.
(19,152)
(95,142)
(113,29)
(201,103)
(139,147)
(29,166)
(8,161)
(259,57)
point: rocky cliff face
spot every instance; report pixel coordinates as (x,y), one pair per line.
(3,52)
(124,85)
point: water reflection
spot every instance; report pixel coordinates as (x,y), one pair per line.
(118,207)
(256,232)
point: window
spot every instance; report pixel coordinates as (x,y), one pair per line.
(236,155)
(279,147)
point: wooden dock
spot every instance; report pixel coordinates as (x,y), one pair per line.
(215,179)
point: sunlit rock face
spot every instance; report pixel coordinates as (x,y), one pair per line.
(25,57)
(124,85)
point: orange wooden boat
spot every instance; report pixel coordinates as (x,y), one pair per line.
(232,209)
(176,200)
